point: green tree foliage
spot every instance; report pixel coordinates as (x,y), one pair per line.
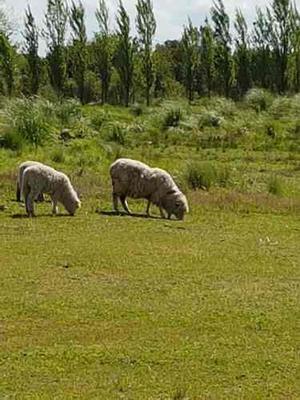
(262,60)
(103,50)
(190,48)
(280,20)
(242,54)
(167,58)
(31,47)
(223,57)
(79,50)
(119,68)
(7,65)
(56,19)
(126,49)
(146,27)
(207,56)
(294,58)
(6,24)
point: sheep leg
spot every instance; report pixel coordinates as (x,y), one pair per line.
(148,208)
(162,214)
(54,206)
(18,193)
(29,202)
(115,202)
(40,198)
(125,204)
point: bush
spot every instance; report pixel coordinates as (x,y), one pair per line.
(67,112)
(58,155)
(219,105)
(27,118)
(92,87)
(99,117)
(117,133)
(137,110)
(210,119)
(259,99)
(172,118)
(200,176)
(286,107)
(12,140)
(205,175)
(274,185)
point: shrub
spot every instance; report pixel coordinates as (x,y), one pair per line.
(67,112)
(286,107)
(137,110)
(205,175)
(58,155)
(99,118)
(172,118)
(117,133)
(12,140)
(210,119)
(274,185)
(92,87)
(220,105)
(259,99)
(27,118)
(200,175)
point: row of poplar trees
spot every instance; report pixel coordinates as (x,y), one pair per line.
(215,58)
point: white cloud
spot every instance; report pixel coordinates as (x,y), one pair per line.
(171,15)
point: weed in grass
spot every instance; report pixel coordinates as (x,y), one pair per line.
(58,155)
(12,140)
(117,133)
(200,175)
(259,99)
(137,110)
(28,120)
(275,186)
(172,118)
(180,394)
(99,118)
(210,119)
(67,112)
(203,175)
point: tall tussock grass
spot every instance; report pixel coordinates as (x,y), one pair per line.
(259,99)
(275,185)
(35,120)
(28,120)
(204,175)
(172,118)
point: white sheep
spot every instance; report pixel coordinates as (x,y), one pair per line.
(137,180)
(39,179)
(21,170)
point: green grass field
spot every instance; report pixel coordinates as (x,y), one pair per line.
(100,306)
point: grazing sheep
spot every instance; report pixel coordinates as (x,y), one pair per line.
(21,170)
(137,180)
(39,179)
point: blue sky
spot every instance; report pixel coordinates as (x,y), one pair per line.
(171,15)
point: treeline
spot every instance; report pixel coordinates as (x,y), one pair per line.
(220,57)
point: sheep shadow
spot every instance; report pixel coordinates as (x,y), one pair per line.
(125,214)
(25,216)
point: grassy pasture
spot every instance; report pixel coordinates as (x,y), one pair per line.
(115,307)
